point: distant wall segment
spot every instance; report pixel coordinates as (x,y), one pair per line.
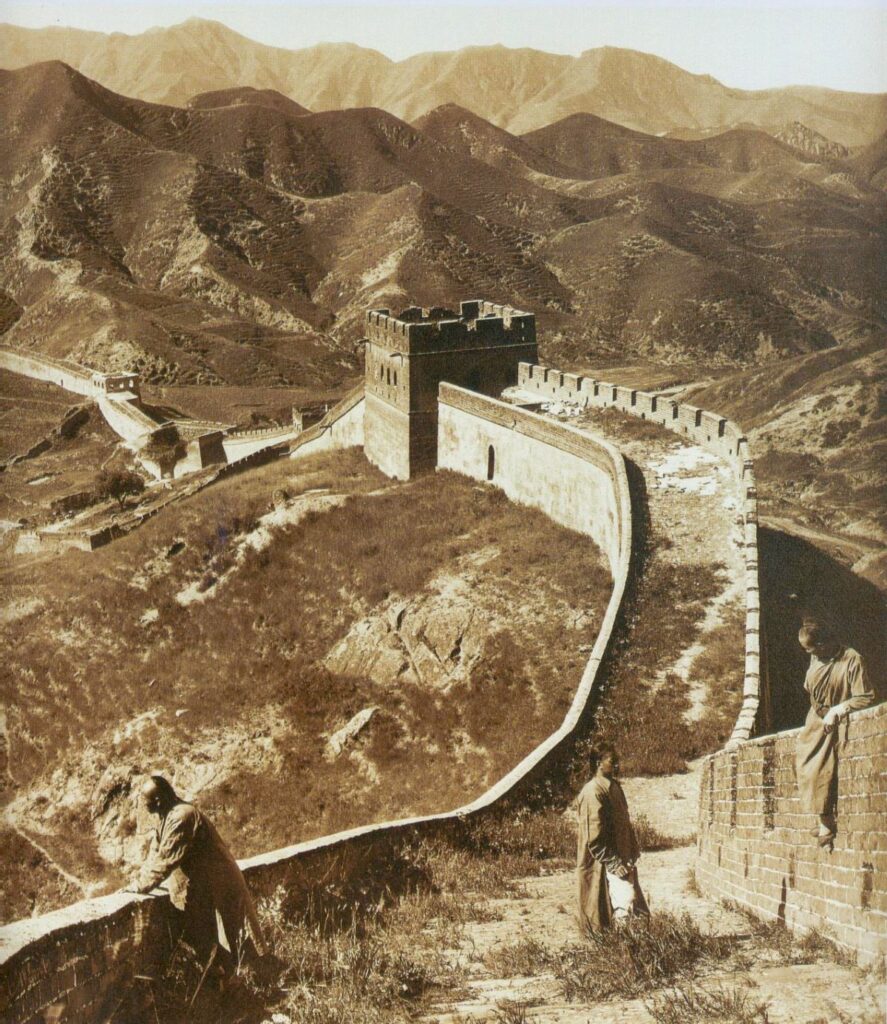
(73,959)
(63,374)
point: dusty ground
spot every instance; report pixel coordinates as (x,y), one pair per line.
(797,994)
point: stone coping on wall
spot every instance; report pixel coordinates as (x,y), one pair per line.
(719,435)
(25,942)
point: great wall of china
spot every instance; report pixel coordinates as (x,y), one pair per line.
(751,846)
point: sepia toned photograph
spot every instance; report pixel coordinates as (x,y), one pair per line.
(443,457)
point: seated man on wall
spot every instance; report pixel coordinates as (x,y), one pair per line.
(206,883)
(608,849)
(836,684)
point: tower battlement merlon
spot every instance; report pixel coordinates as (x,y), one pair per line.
(477,324)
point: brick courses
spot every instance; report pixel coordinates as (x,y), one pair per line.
(755,845)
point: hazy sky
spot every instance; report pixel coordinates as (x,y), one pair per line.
(751,46)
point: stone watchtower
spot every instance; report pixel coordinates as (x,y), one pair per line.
(408,356)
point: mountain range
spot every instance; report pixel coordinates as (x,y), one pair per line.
(239,239)
(516,89)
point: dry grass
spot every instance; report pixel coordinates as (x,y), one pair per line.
(790,947)
(647,721)
(651,839)
(258,645)
(690,1003)
(380,968)
(523,958)
(720,667)
(638,957)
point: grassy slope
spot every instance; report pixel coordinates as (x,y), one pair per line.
(232,692)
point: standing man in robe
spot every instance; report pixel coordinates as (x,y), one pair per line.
(606,864)
(206,883)
(836,683)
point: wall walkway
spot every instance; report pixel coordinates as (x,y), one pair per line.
(77,958)
(754,843)
(719,435)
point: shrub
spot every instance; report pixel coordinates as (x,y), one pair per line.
(117,484)
(523,958)
(650,838)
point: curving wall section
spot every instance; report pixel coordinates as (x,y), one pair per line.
(74,963)
(719,435)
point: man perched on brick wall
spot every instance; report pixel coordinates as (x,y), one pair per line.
(206,883)
(837,684)
(608,849)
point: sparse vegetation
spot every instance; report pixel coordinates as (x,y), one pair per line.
(790,947)
(720,667)
(638,957)
(691,1003)
(646,720)
(523,958)
(260,651)
(650,838)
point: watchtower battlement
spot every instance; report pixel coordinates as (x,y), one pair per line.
(409,355)
(478,324)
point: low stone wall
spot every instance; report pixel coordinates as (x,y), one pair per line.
(755,845)
(719,435)
(76,964)
(78,960)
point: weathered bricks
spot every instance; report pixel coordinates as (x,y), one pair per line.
(769,861)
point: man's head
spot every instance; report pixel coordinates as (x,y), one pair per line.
(818,639)
(157,795)
(607,761)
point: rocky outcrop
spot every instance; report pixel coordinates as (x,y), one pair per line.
(810,142)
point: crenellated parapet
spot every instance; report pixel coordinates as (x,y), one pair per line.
(478,324)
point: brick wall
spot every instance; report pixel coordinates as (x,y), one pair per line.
(75,964)
(755,845)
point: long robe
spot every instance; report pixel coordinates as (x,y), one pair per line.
(205,881)
(607,841)
(833,681)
